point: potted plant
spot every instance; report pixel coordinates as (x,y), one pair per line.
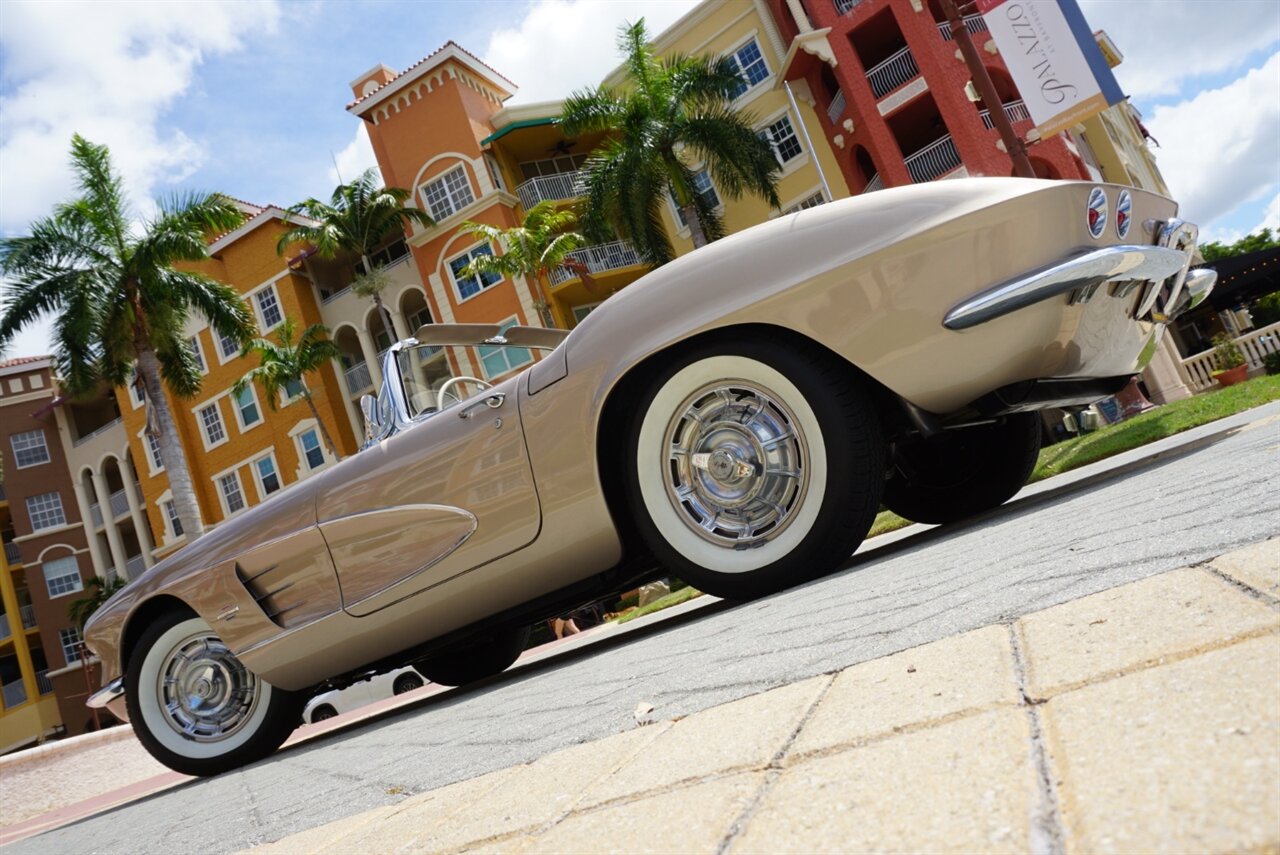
(1232,368)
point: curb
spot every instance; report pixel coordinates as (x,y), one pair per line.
(63,746)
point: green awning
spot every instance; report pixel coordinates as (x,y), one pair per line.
(515,126)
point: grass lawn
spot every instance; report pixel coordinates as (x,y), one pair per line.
(1159,423)
(675,598)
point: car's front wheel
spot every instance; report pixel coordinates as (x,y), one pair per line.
(754,465)
(406,683)
(963,472)
(195,707)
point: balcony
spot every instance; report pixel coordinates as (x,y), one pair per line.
(12,553)
(117,501)
(135,567)
(1015,110)
(15,694)
(599,259)
(43,683)
(1254,344)
(555,188)
(934,160)
(28,613)
(876,183)
(897,70)
(358,379)
(972,23)
(836,108)
(108,426)
(844,7)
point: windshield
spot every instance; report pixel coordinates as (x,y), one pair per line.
(431,384)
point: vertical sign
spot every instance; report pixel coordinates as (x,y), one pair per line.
(1053,59)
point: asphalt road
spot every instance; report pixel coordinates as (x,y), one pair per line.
(1072,540)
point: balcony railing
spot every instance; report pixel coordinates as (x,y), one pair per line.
(836,108)
(43,683)
(876,183)
(1254,345)
(12,553)
(108,426)
(895,71)
(15,694)
(598,259)
(119,502)
(934,160)
(540,188)
(972,23)
(135,567)
(5,629)
(333,295)
(110,576)
(28,613)
(95,514)
(844,7)
(358,378)
(1015,110)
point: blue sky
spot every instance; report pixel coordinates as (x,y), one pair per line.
(247,98)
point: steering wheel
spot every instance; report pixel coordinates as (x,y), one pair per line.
(449,384)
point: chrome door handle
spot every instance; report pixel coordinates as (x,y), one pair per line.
(492,401)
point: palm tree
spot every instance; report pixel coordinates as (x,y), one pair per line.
(358,218)
(284,367)
(97,591)
(671,112)
(121,306)
(537,248)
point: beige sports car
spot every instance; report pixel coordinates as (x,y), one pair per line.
(735,418)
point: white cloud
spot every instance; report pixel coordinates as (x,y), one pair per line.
(107,71)
(563,45)
(1166,42)
(1270,217)
(1221,148)
(354,158)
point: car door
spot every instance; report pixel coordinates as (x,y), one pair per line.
(450,493)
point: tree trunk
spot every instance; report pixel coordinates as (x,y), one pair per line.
(324,432)
(377,301)
(171,452)
(544,303)
(695,225)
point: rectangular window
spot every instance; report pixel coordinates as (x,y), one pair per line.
(293,388)
(268,478)
(495,174)
(29,448)
(62,576)
(232,494)
(247,408)
(45,511)
(704,188)
(268,307)
(311,450)
(448,194)
(153,452)
(781,137)
(469,286)
(211,422)
(389,254)
(227,346)
(751,66)
(70,639)
(135,397)
(499,359)
(194,344)
(171,514)
(808,202)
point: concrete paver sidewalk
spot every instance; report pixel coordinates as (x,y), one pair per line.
(1142,718)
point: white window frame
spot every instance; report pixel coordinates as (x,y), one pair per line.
(683,229)
(251,388)
(802,198)
(64,590)
(227,513)
(198,349)
(131,385)
(198,410)
(31,515)
(169,512)
(43,445)
(787,166)
(223,358)
(448,266)
(285,400)
(495,172)
(254,297)
(454,206)
(70,649)
(154,464)
(302,449)
(578,311)
(263,495)
(756,88)
(503,325)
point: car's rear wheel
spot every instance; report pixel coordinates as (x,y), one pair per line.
(754,465)
(323,712)
(406,683)
(195,706)
(963,472)
(475,658)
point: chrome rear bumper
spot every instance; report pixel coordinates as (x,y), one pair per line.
(108,693)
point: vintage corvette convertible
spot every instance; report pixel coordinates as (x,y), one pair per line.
(734,418)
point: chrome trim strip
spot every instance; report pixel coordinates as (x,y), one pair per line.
(1195,290)
(108,693)
(1087,268)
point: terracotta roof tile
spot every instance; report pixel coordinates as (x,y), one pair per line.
(428,57)
(22,360)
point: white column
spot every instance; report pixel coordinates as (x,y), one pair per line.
(1165,377)
(91,534)
(113,534)
(353,412)
(370,352)
(137,513)
(801,17)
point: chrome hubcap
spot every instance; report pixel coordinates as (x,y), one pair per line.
(735,464)
(204,691)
